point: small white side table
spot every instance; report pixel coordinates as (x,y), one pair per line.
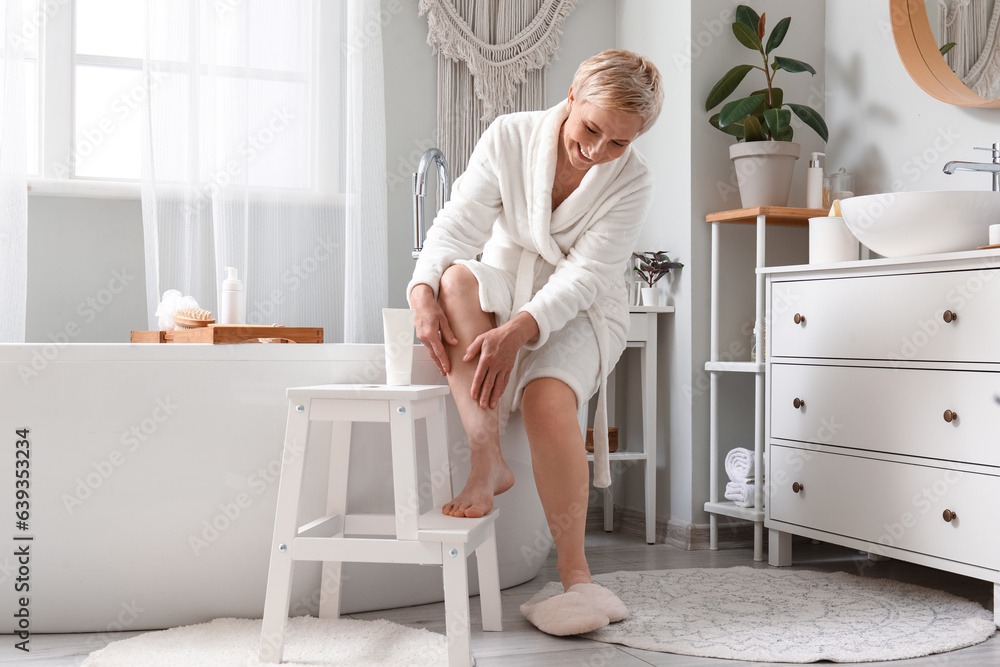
(643,327)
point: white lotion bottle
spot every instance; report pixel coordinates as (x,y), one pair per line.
(232,305)
(814,182)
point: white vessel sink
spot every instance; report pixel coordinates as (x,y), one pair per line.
(922,223)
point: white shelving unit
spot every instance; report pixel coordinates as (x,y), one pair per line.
(762,216)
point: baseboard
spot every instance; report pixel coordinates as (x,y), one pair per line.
(733,533)
(627,522)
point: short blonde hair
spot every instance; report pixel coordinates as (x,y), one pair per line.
(620,80)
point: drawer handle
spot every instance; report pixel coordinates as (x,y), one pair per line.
(949,516)
(950,416)
(801,319)
(950,317)
(798,403)
(796,487)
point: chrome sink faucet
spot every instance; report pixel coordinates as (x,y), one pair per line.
(994,167)
(419,190)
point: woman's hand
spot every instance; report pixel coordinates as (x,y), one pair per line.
(497,350)
(432,326)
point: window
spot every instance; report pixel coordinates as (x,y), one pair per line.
(87,98)
(107,90)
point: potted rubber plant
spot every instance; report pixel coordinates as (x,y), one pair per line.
(651,267)
(764,154)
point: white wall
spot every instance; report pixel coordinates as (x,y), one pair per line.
(693,45)
(883,127)
(410,112)
(657,30)
(86,275)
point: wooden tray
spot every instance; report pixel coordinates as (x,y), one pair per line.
(223,334)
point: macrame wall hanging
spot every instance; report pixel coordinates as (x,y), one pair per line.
(976,33)
(492,56)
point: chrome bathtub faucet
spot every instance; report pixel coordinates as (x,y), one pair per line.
(419,190)
(994,166)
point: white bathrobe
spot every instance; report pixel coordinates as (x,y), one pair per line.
(565,262)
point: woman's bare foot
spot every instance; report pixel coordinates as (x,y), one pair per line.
(488,479)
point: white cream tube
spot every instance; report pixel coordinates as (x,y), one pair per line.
(397,326)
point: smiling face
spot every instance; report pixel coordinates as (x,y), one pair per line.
(593,135)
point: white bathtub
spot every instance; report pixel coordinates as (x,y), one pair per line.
(153,482)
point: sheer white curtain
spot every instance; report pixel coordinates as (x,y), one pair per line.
(264,149)
(13,176)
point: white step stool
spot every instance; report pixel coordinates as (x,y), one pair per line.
(405,537)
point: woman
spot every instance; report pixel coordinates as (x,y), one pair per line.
(554,200)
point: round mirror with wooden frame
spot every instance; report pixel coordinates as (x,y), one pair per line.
(923,60)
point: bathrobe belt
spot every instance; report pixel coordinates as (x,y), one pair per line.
(523,282)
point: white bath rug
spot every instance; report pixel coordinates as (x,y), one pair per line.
(309,642)
(778,615)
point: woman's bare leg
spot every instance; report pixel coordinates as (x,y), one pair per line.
(490,476)
(559,462)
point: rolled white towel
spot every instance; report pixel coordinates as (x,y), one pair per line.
(741,493)
(739,464)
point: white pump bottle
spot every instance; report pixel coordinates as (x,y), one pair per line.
(814,182)
(232,305)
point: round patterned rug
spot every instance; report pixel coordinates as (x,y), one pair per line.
(781,615)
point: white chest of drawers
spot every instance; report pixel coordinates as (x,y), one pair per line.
(882,410)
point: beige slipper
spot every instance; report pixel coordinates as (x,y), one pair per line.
(602,600)
(566,614)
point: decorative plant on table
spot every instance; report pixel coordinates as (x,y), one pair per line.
(762,115)
(654,265)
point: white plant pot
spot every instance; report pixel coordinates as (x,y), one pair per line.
(650,296)
(764,171)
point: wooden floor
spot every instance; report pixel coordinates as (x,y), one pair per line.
(520,644)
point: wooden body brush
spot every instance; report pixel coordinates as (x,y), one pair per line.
(193,318)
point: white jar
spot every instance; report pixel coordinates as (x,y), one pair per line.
(830,240)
